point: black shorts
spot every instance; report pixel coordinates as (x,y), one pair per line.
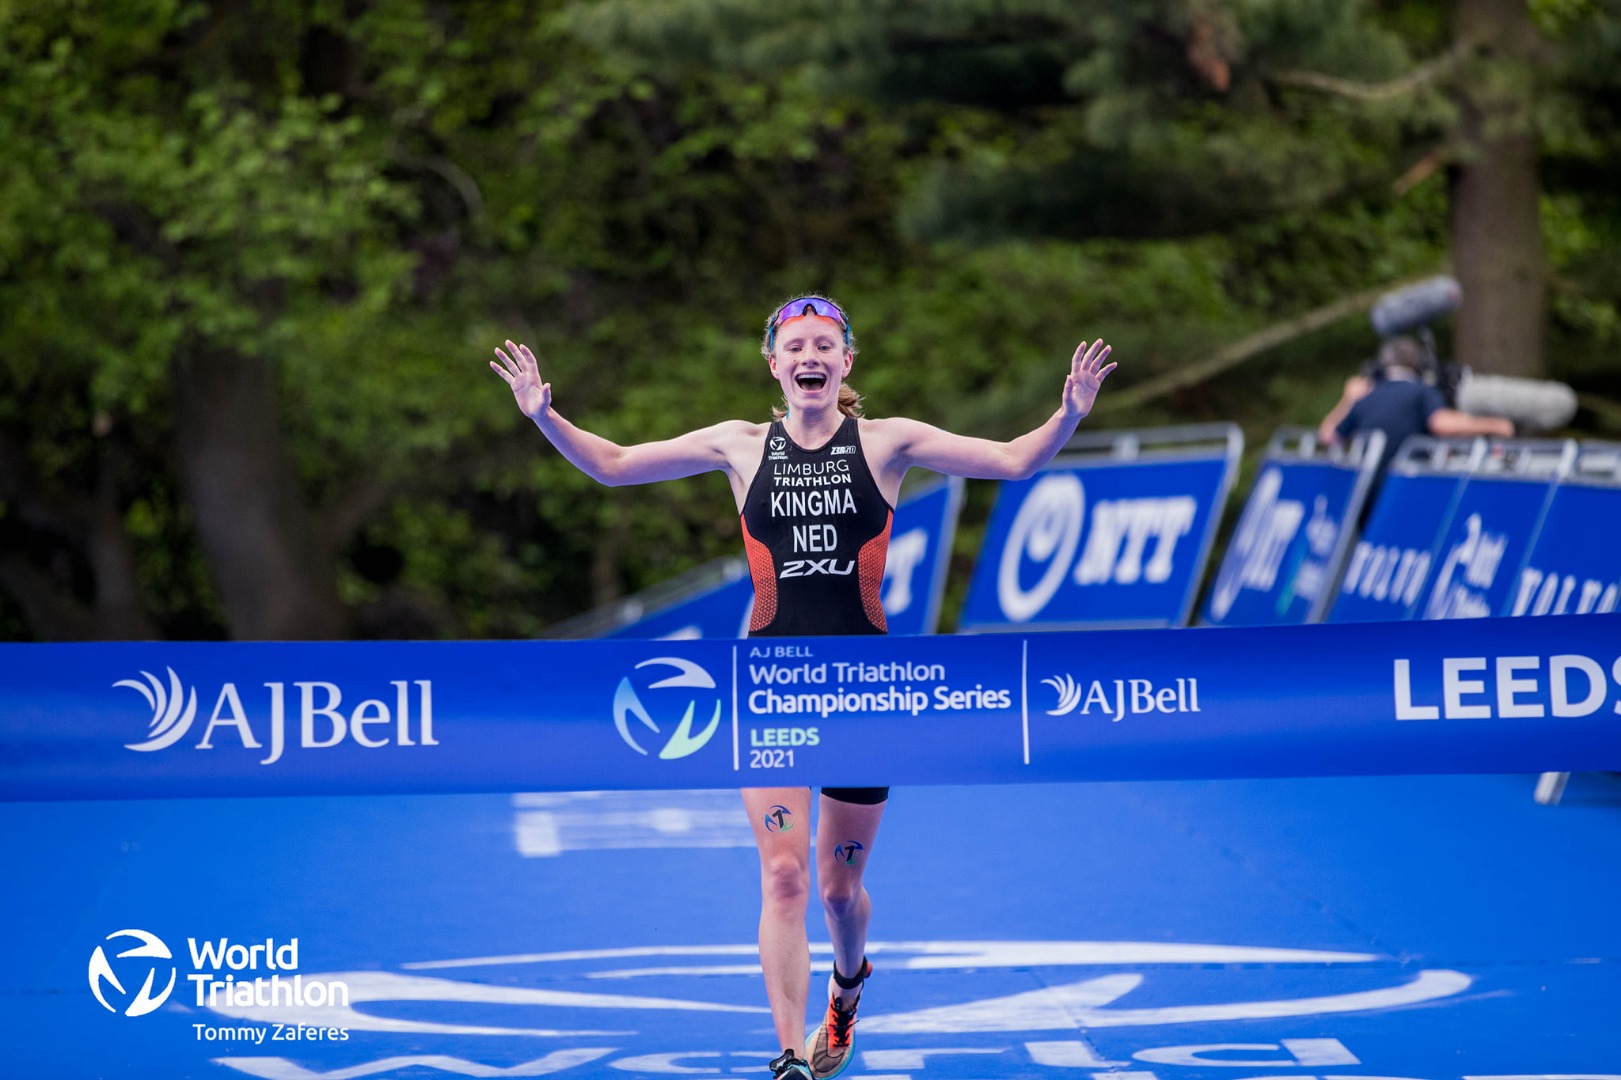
(860,796)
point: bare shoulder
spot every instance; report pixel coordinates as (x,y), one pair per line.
(737,432)
(740,442)
(892,437)
(891,432)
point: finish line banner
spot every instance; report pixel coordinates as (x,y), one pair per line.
(189,719)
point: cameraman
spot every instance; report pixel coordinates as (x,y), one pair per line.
(1400,403)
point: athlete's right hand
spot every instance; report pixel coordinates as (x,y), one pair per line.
(522,373)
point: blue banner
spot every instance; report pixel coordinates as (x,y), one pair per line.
(919,555)
(1390,565)
(1575,565)
(187,719)
(914,578)
(1452,525)
(718,612)
(1493,526)
(1280,566)
(1099,542)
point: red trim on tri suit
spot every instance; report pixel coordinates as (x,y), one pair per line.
(870,565)
(764,572)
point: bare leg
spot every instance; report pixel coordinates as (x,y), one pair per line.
(784,846)
(844,840)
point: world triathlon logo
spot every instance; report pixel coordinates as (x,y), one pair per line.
(142,961)
(689,677)
(173,709)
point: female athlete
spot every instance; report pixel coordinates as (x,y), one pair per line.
(815,489)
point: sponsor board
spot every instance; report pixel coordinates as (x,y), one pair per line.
(858,711)
(1098,543)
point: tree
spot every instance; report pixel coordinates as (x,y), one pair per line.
(253,255)
(1181,117)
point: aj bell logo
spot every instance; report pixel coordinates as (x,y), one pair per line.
(322,721)
(168,722)
(683,743)
(1133,697)
(142,960)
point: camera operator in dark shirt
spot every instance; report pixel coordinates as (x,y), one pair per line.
(1397,401)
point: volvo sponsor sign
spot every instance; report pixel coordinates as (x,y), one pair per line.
(1114,535)
(1452,528)
(341,718)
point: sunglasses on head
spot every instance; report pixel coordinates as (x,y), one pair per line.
(808,305)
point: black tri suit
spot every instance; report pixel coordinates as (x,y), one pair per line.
(816,532)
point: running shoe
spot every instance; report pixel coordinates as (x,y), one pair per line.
(830,1043)
(788,1067)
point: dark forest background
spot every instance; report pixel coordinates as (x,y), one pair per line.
(255,254)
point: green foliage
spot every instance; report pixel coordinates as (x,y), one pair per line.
(371,196)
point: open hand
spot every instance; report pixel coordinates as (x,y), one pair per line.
(1357,387)
(522,373)
(1087,370)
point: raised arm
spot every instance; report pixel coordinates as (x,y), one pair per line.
(910,442)
(1356,388)
(607,462)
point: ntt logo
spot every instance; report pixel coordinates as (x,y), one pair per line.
(145,962)
(688,676)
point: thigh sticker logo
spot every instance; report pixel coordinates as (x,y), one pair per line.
(144,963)
(683,743)
(779,819)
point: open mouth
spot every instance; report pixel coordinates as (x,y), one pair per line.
(810,381)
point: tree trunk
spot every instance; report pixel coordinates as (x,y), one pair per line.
(275,577)
(120,607)
(88,526)
(1497,248)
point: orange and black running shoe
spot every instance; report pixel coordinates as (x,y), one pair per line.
(830,1043)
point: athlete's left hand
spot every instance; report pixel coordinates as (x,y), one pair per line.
(1087,370)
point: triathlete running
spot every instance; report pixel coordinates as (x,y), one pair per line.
(822,477)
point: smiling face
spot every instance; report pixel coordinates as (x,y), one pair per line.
(810,361)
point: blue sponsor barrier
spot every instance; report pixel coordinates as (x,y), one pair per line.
(1574,567)
(1284,557)
(187,719)
(1113,533)
(1390,564)
(720,611)
(1452,522)
(715,600)
(919,556)
(1497,519)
